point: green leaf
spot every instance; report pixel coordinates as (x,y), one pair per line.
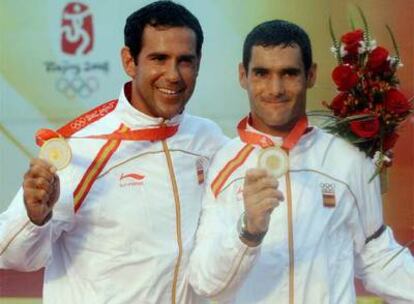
(364,21)
(360,117)
(394,43)
(335,42)
(352,23)
(322,113)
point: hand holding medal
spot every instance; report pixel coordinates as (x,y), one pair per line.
(261,194)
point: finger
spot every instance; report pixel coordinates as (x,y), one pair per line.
(35,196)
(42,163)
(260,184)
(265,183)
(269,204)
(269,193)
(36,171)
(38,183)
(254,174)
(257,198)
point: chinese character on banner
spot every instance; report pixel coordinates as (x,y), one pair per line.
(77,29)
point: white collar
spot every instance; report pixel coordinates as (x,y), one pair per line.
(276,139)
(304,143)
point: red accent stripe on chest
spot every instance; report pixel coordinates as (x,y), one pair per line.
(229,168)
(95,168)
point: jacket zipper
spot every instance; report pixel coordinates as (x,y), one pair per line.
(290,241)
(178,219)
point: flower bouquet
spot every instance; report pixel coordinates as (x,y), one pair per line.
(369,107)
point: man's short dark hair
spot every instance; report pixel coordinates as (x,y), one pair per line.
(278,33)
(159,14)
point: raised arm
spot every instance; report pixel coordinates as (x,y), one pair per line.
(26,227)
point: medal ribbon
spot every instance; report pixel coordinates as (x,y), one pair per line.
(153,134)
(263,141)
(158,133)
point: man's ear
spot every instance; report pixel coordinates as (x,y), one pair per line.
(128,62)
(242,76)
(311,77)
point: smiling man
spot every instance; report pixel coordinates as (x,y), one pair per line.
(117,225)
(289,214)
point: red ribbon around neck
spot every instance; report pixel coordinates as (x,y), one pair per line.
(262,140)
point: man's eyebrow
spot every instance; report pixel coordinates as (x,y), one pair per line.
(188,57)
(291,70)
(259,69)
(157,54)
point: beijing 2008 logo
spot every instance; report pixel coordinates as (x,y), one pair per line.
(78,76)
(77,29)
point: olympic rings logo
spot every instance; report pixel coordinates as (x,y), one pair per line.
(78,123)
(327,188)
(77,86)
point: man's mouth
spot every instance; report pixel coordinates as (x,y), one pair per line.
(275,101)
(170,92)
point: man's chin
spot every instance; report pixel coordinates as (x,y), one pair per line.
(170,113)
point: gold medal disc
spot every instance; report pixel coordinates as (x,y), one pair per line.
(274,160)
(57,152)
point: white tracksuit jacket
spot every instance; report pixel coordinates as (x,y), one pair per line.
(130,240)
(327,247)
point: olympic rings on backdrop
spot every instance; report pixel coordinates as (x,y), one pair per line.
(77,86)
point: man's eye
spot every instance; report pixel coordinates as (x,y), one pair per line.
(187,61)
(291,73)
(158,58)
(260,73)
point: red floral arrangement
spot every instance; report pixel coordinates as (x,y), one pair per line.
(369,107)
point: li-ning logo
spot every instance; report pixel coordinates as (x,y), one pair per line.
(77,29)
(328,195)
(131,179)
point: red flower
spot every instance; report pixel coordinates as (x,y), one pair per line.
(352,40)
(338,104)
(396,102)
(344,77)
(366,128)
(378,60)
(389,141)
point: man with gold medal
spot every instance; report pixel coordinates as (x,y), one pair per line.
(116,222)
(289,214)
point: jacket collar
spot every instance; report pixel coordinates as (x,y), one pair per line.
(304,143)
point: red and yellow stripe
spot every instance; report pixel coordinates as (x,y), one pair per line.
(230,167)
(95,168)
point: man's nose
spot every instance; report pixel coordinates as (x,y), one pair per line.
(172,73)
(276,86)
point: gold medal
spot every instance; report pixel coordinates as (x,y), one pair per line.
(274,160)
(57,152)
